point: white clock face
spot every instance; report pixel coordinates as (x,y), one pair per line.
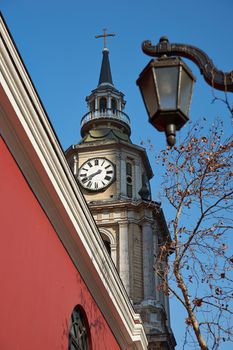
(96,174)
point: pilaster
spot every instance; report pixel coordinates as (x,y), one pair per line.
(124,254)
(75,169)
(148,261)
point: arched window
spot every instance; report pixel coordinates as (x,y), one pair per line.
(107,242)
(113,104)
(79,338)
(103,104)
(110,242)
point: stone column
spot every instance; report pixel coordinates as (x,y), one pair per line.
(109,101)
(75,168)
(148,261)
(96,103)
(124,254)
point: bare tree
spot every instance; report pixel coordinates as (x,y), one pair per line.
(198,179)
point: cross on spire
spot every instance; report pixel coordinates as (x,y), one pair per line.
(104,36)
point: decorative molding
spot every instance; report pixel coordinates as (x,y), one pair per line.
(108,234)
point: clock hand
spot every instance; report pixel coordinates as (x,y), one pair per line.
(92,175)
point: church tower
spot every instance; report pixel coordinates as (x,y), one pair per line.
(114,177)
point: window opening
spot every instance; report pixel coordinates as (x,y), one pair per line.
(103,104)
(113,104)
(107,242)
(78,334)
(129,180)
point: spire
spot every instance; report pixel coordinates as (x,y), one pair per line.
(105,118)
(105,72)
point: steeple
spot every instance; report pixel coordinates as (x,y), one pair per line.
(105,118)
(114,175)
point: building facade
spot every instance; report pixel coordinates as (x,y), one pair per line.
(59,287)
(114,176)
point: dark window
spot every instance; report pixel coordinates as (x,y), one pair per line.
(107,242)
(129,180)
(129,169)
(108,246)
(129,189)
(79,332)
(113,104)
(103,104)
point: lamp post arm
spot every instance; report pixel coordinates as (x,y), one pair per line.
(218,79)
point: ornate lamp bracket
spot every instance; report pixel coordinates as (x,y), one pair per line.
(218,79)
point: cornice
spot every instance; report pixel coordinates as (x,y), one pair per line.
(110,145)
(30,137)
(124,204)
(136,206)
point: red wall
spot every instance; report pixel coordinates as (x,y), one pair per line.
(39,285)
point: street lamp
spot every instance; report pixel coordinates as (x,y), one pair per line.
(166,84)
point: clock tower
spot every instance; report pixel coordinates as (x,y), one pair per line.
(114,176)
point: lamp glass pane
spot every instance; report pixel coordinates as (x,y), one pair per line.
(167,80)
(148,91)
(185,92)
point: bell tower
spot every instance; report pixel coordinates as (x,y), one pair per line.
(114,176)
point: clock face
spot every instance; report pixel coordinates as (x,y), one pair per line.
(96,174)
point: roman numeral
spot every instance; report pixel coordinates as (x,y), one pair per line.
(84,180)
(109,171)
(90,165)
(96,161)
(89,184)
(96,185)
(107,178)
(103,163)
(107,166)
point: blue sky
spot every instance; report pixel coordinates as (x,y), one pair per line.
(56,41)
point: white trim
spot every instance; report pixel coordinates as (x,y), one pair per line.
(31,139)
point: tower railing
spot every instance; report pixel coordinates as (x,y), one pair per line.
(108,113)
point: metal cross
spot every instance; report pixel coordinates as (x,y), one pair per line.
(104,36)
